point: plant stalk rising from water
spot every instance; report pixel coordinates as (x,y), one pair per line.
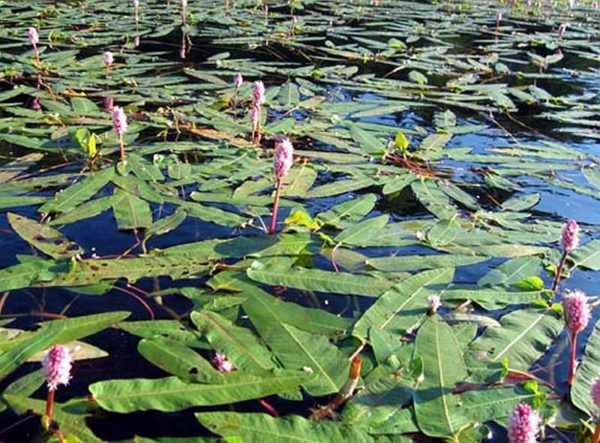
(284,158)
(57,371)
(595,394)
(569,240)
(119,121)
(577,317)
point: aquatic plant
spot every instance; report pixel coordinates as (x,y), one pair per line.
(57,371)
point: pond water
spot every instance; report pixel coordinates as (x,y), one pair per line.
(439,149)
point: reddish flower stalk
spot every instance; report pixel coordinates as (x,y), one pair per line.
(577,317)
(184,12)
(57,371)
(569,240)
(523,425)
(595,394)
(284,158)
(119,121)
(498,20)
(34,39)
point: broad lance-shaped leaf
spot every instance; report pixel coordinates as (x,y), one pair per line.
(298,181)
(588,255)
(523,338)
(173,394)
(493,403)
(131,212)
(262,427)
(436,407)
(48,240)
(344,214)
(419,262)
(72,196)
(360,232)
(240,345)
(587,373)
(433,198)
(512,271)
(316,321)
(176,358)
(401,308)
(297,349)
(317,280)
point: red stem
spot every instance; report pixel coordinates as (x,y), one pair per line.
(572,363)
(596,436)
(275,207)
(269,408)
(50,405)
(559,270)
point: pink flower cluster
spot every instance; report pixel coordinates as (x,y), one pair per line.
(222,364)
(57,366)
(119,121)
(284,157)
(238,80)
(32,34)
(569,239)
(108,58)
(577,311)
(523,425)
(258,91)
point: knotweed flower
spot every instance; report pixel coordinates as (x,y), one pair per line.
(222,363)
(119,121)
(282,162)
(433,304)
(577,311)
(577,317)
(284,158)
(57,366)
(561,30)
(109,103)
(34,39)
(569,241)
(523,425)
(57,371)
(238,80)
(258,91)
(108,58)
(32,34)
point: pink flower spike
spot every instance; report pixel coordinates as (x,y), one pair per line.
(109,103)
(569,239)
(238,80)
(57,366)
(259,93)
(108,58)
(136,4)
(433,304)
(595,392)
(222,364)
(184,3)
(523,425)
(577,311)
(119,121)
(284,158)
(32,34)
